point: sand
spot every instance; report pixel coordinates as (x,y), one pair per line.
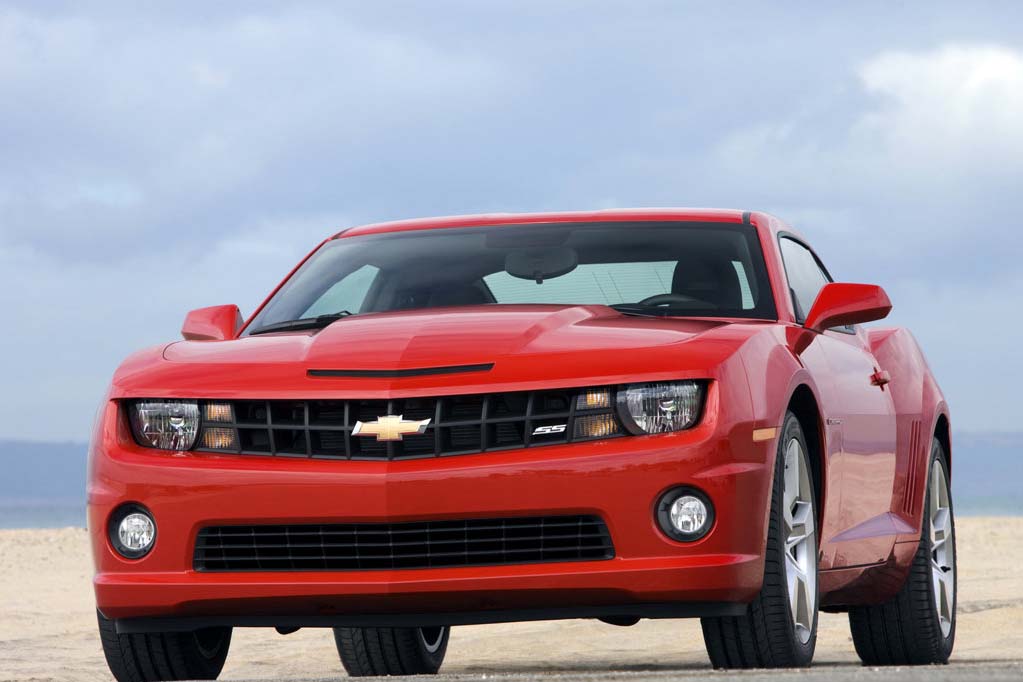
(48,629)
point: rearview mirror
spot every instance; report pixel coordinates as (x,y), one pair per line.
(217,323)
(541,264)
(839,304)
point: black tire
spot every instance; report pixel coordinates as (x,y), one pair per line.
(157,656)
(765,636)
(391,651)
(906,630)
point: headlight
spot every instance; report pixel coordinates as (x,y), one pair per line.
(660,407)
(165,424)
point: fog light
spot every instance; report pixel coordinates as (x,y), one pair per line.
(132,531)
(688,514)
(685,514)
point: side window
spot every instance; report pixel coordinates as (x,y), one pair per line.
(805,276)
(348,293)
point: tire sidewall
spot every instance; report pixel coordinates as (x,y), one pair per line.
(433,659)
(202,662)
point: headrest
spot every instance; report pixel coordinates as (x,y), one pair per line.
(709,279)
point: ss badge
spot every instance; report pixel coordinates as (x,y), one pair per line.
(548,430)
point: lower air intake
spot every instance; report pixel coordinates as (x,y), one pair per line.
(426,544)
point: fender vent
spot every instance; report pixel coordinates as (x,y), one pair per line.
(912,482)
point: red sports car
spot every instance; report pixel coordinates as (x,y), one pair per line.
(615,415)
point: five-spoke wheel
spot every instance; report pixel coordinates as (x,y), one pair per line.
(779,628)
(942,547)
(800,547)
(918,625)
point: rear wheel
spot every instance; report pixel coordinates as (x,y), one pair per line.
(391,651)
(779,628)
(918,625)
(157,656)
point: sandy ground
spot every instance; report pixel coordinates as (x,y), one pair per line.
(48,630)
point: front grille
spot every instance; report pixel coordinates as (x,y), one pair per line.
(426,544)
(459,425)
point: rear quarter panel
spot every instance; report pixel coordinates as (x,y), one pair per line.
(919,405)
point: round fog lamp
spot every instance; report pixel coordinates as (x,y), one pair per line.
(688,514)
(685,514)
(132,532)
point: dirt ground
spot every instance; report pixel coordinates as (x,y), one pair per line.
(48,629)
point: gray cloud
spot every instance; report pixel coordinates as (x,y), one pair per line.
(160,160)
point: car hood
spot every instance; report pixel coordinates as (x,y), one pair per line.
(528,345)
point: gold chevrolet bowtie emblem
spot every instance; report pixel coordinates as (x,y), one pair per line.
(390,427)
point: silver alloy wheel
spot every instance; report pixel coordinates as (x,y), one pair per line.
(432,638)
(942,547)
(800,546)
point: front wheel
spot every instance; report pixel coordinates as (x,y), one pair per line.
(779,628)
(159,656)
(391,651)
(918,625)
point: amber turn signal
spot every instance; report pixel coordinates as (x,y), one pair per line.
(594,399)
(219,438)
(218,412)
(595,426)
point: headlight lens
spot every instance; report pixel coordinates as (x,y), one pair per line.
(660,407)
(165,424)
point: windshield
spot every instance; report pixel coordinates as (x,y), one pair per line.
(683,269)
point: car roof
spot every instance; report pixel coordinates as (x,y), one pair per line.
(708,215)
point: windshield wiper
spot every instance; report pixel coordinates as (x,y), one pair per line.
(318,322)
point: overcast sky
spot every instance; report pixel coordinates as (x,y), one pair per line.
(161,160)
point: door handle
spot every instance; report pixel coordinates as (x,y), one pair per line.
(880,377)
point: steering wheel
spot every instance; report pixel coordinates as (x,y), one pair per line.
(669,299)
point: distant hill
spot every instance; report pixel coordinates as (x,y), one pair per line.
(43,484)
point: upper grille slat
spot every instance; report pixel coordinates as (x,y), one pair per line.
(459,425)
(400,529)
(365,546)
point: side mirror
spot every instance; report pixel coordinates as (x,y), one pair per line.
(217,323)
(840,304)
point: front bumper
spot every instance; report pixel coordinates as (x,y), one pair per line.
(617,479)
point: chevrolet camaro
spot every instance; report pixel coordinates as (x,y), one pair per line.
(613,415)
